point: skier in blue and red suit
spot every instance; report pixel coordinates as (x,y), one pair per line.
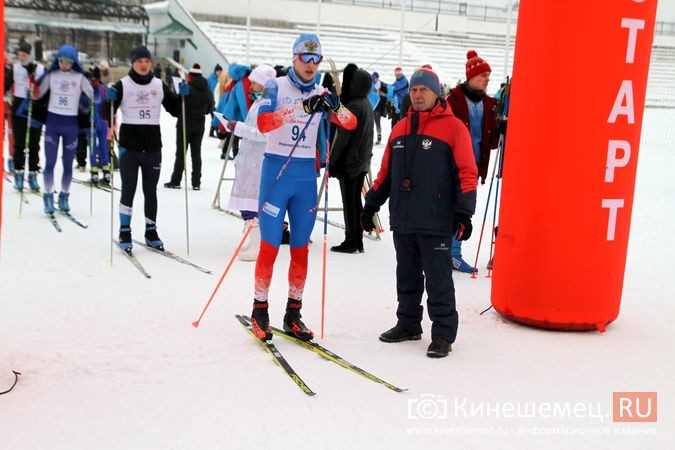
(288,103)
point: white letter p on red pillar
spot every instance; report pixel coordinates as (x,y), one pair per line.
(613,161)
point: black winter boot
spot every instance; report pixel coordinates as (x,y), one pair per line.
(439,348)
(292,323)
(348,246)
(399,334)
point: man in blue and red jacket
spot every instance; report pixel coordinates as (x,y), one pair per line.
(429,175)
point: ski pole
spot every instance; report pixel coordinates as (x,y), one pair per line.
(325,236)
(487,205)
(493,237)
(502,142)
(248,229)
(27,143)
(222,277)
(111,149)
(187,222)
(92,154)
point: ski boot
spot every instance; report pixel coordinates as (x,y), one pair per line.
(63,201)
(260,321)
(460,265)
(105,180)
(94,178)
(18,180)
(152,238)
(292,323)
(48,198)
(125,239)
(32,182)
(10,165)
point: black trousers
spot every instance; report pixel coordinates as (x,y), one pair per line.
(352,207)
(423,261)
(82,146)
(19,125)
(193,138)
(150,165)
(395,118)
(377,115)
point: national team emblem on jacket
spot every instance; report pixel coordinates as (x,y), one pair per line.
(426,144)
(64,86)
(142,97)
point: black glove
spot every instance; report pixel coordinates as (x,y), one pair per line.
(314,104)
(462,227)
(332,101)
(30,68)
(367,222)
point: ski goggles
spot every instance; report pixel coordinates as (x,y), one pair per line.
(65,60)
(307,57)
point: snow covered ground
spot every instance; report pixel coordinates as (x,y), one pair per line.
(109,359)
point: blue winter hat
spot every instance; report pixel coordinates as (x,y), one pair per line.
(307,43)
(375,75)
(428,78)
(68,51)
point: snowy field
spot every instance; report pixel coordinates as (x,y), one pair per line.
(109,359)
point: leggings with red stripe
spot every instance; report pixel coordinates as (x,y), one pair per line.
(294,193)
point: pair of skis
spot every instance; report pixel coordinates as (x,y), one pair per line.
(67,215)
(103,187)
(314,347)
(134,260)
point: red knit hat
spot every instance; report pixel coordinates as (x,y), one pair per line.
(475,65)
(196,69)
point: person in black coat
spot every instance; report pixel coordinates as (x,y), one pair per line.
(197,105)
(350,156)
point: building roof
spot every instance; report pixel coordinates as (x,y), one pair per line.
(18,17)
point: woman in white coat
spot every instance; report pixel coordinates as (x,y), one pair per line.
(244,196)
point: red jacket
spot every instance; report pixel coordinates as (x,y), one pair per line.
(490,139)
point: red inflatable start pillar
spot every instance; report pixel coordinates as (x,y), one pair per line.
(577,99)
(2,113)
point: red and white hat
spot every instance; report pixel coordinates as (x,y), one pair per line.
(475,65)
(196,69)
